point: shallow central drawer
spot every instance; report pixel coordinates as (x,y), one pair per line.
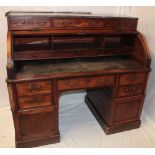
(32,88)
(82,83)
(36,101)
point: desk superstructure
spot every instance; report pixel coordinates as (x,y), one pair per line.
(49,53)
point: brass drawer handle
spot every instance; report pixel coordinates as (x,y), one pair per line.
(34,100)
(92,23)
(34,87)
(42,23)
(132,77)
(77,52)
(70,84)
(130,90)
(67,22)
(23,22)
(34,55)
(61,22)
(117,51)
(100,80)
(15,22)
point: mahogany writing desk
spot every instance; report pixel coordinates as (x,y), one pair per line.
(49,53)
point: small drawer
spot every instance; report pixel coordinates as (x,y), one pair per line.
(60,23)
(33,55)
(132,90)
(33,88)
(76,53)
(21,23)
(36,101)
(134,78)
(42,22)
(71,84)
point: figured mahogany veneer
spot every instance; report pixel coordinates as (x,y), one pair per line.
(49,53)
(82,83)
(132,78)
(32,88)
(131,90)
(37,101)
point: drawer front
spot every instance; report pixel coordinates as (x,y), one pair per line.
(127,110)
(135,78)
(32,88)
(37,123)
(76,23)
(55,54)
(25,23)
(76,53)
(111,51)
(36,101)
(131,90)
(70,84)
(31,55)
(21,23)
(42,22)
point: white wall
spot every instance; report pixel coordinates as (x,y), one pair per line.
(146,26)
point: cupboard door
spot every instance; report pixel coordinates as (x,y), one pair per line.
(37,123)
(127,110)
